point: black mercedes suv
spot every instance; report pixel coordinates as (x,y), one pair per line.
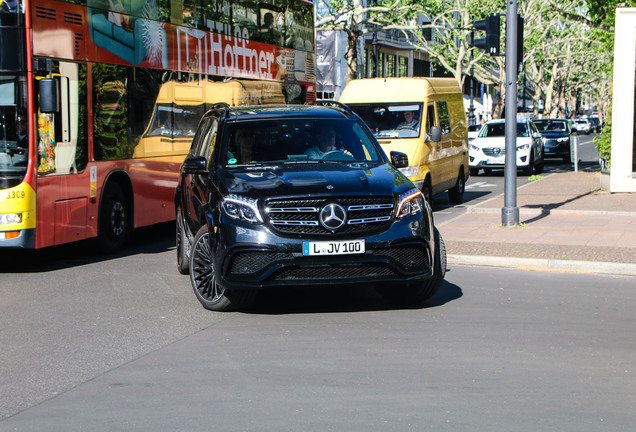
(284,195)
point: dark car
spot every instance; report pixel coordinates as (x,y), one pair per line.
(596,124)
(307,198)
(557,138)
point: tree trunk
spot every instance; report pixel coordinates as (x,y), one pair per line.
(352,56)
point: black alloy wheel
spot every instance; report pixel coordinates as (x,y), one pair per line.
(212,295)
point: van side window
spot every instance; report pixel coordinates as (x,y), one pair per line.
(444,119)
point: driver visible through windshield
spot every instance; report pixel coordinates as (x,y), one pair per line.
(298,140)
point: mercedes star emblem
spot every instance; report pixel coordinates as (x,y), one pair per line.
(333,216)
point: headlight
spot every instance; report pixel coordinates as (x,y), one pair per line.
(10,218)
(410,203)
(523,147)
(562,140)
(473,147)
(410,171)
(241,208)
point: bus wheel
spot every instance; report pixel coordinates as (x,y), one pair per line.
(114,223)
(183,245)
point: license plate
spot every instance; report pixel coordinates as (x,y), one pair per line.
(346,247)
(498,160)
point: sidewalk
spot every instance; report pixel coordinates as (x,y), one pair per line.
(566,224)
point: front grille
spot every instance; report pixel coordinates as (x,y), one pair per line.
(385,262)
(300,217)
(494,151)
(358,272)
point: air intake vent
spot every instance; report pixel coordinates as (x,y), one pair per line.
(45,13)
(78,44)
(72,18)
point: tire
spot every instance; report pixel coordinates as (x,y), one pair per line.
(183,245)
(530,168)
(114,220)
(538,169)
(427,191)
(421,291)
(212,295)
(474,171)
(456,193)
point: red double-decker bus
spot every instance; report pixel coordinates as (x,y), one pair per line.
(99,101)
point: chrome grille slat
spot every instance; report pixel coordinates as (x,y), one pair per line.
(300,216)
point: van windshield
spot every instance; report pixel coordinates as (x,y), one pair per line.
(391,120)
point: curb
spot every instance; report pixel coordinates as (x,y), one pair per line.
(544,264)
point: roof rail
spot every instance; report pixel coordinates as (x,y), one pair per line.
(334,104)
(222,106)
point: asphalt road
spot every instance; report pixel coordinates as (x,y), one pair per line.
(94,344)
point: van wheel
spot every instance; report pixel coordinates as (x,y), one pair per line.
(456,194)
(209,293)
(420,291)
(114,220)
(427,191)
(474,172)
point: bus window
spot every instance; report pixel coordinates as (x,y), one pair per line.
(110,97)
(61,137)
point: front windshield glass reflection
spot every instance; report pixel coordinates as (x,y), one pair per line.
(299,140)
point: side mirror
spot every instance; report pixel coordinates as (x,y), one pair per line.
(436,134)
(49,89)
(195,165)
(399,159)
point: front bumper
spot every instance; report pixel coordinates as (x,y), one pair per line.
(554,148)
(254,257)
(480,160)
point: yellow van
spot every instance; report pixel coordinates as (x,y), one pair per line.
(422,117)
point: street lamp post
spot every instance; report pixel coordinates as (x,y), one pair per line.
(471,108)
(374,43)
(510,211)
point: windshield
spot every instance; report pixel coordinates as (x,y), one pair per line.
(550,125)
(14,130)
(174,121)
(499,130)
(298,141)
(391,120)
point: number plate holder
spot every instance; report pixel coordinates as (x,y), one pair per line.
(344,247)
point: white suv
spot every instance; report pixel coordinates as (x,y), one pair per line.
(582,126)
(488,150)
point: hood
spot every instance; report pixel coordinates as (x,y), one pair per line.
(313,180)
